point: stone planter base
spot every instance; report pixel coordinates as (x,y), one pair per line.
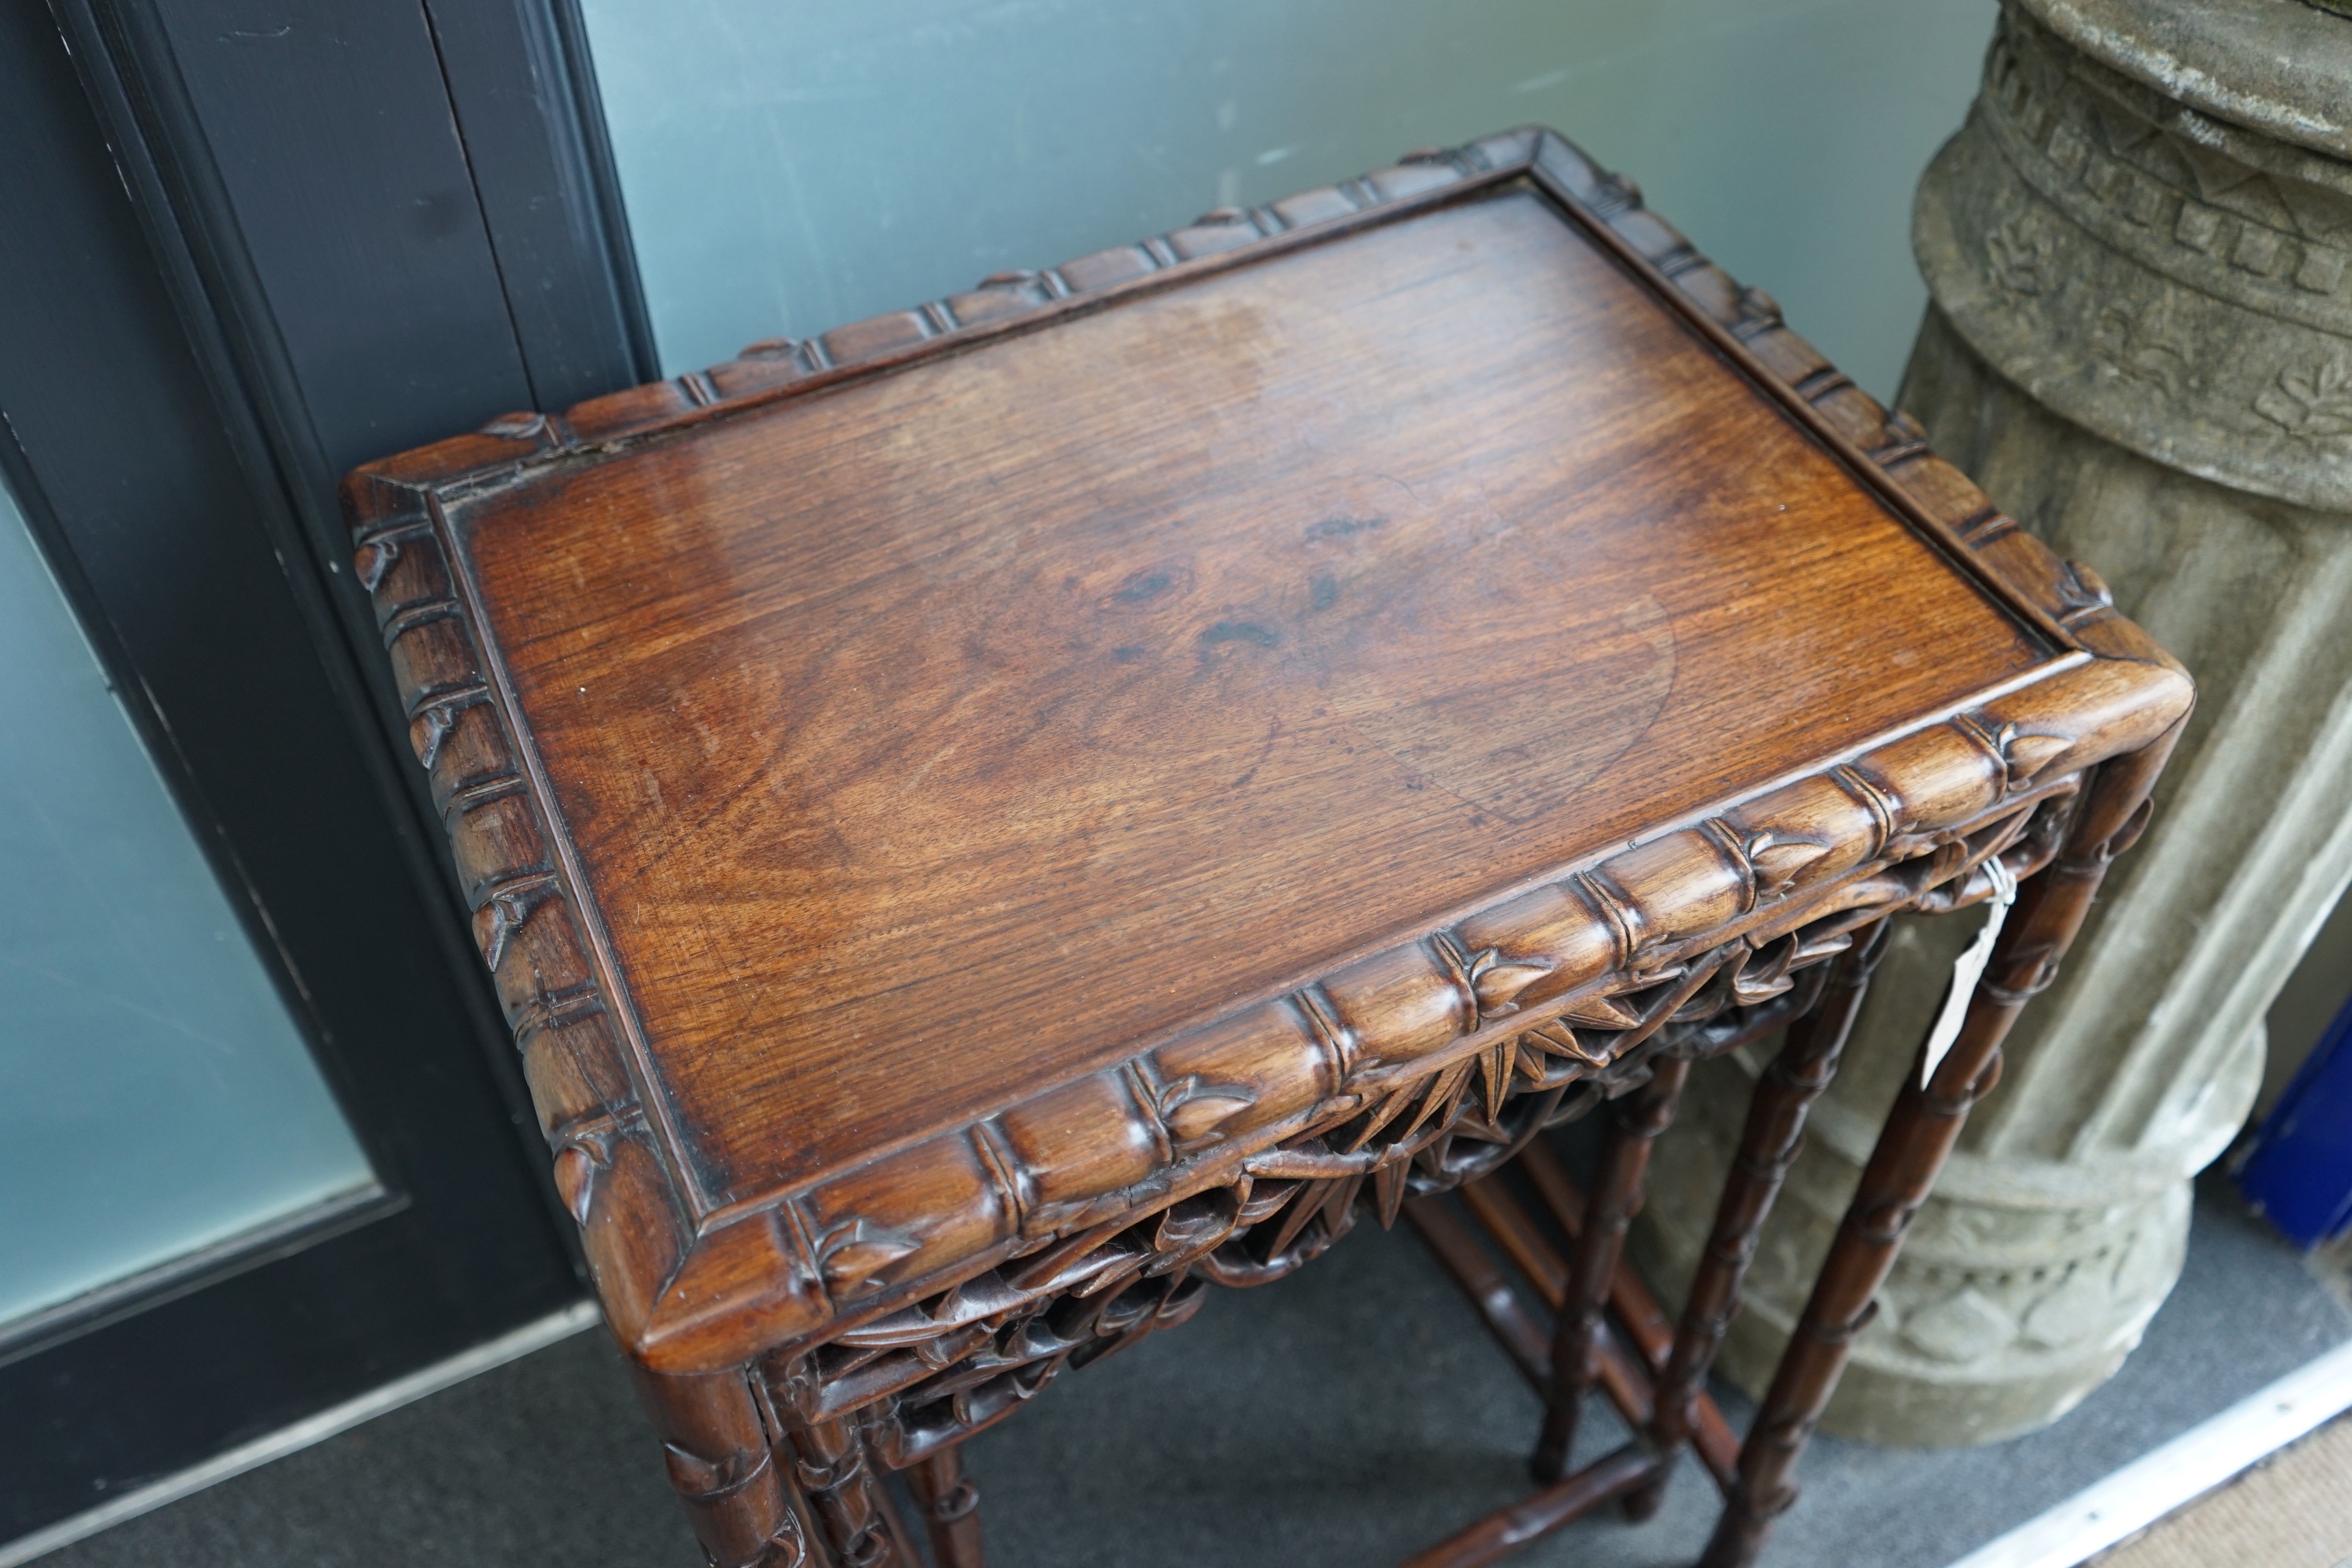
(2140,253)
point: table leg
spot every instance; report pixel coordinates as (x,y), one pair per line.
(1578,1335)
(1623,1377)
(1912,1147)
(846,1495)
(1637,1312)
(1767,1146)
(950,1505)
(725,1475)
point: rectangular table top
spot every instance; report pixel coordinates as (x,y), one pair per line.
(936,737)
(915,740)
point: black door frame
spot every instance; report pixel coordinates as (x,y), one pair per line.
(250,244)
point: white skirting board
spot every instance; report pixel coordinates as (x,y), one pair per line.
(507,1347)
(2182,1470)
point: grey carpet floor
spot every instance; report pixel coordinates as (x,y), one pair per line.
(1346,1417)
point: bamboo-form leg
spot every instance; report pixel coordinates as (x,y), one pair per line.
(844,1493)
(1637,1312)
(1580,1334)
(1912,1147)
(1775,1132)
(719,1463)
(950,1505)
(1623,1378)
(1629,1363)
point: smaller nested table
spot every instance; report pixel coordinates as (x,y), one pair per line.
(995,818)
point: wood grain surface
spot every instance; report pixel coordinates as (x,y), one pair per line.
(942,736)
(995,818)
(942,796)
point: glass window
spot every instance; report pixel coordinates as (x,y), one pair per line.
(155,1098)
(790,166)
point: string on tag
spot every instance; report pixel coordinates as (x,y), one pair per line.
(1967,969)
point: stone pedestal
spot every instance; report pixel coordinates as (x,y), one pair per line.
(2140,344)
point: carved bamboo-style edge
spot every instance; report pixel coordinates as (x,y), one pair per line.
(687,1288)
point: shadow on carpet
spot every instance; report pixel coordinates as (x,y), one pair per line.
(1352,1413)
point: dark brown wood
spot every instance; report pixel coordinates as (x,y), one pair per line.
(1632,1307)
(1340,625)
(1621,1377)
(746,1510)
(1497,1535)
(1913,1144)
(950,1506)
(2025,844)
(1580,1333)
(1768,1143)
(1513,1326)
(1635,1308)
(991,819)
(510,538)
(846,1498)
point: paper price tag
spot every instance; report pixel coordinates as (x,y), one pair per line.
(1967,969)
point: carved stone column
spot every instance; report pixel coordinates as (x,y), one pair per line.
(2140,344)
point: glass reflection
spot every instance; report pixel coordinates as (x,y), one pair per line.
(155,1098)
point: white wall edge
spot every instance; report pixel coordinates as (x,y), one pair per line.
(2163,1480)
(317,1428)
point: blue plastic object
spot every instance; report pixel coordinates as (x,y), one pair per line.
(2300,1170)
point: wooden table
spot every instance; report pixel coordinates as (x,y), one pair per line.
(992,819)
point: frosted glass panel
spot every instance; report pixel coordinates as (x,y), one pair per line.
(790,166)
(154,1096)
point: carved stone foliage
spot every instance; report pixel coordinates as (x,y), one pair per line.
(2157,274)
(2313,404)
